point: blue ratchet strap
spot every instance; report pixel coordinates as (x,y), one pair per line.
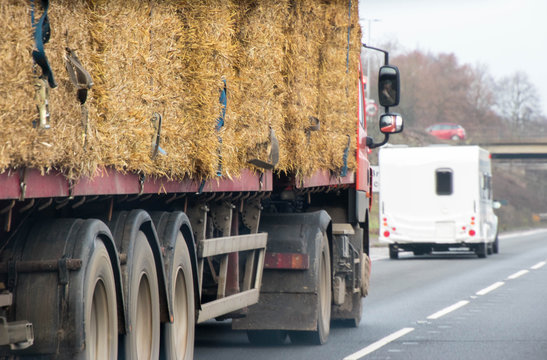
(223,99)
(201,186)
(344,171)
(42,32)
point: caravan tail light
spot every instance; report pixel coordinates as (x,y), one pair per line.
(386,234)
(471,232)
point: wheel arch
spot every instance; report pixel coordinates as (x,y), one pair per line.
(167,224)
(108,241)
(125,226)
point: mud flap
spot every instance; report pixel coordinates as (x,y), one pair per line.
(288,298)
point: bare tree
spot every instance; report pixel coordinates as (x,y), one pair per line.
(517,100)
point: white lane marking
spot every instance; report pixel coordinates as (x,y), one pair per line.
(492,287)
(378,344)
(517,274)
(447,310)
(538,265)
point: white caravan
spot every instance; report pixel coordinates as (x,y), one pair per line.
(436,198)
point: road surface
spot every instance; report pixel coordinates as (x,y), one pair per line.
(441,306)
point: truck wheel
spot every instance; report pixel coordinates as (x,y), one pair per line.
(393,252)
(357,310)
(324,295)
(267,337)
(99,299)
(178,336)
(143,337)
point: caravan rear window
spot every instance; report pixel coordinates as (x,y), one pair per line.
(443,181)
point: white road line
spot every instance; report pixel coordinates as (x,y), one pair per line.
(492,287)
(378,344)
(538,265)
(447,310)
(517,274)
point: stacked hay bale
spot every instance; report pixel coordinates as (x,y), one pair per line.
(282,62)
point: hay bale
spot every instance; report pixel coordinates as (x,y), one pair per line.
(282,61)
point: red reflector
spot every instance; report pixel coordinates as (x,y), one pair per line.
(386,233)
(295,261)
(471,232)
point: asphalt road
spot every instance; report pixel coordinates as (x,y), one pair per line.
(441,306)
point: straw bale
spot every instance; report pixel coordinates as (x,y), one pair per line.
(256,100)
(283,61)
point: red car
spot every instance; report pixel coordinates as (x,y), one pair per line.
(447,131)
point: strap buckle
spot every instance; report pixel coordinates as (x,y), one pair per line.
(41,97)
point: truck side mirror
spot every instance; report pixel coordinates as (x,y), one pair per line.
(388,86)
(391,123)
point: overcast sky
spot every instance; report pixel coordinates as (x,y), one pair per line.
(505,35)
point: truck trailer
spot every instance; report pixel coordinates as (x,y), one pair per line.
(165,163)
(445,201)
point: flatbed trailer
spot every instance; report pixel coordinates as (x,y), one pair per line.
(215,225)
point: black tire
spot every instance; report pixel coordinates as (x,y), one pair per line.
(99,299)
(324,295)
(81,305)
(143,311)
(393,252)
(357,310)
(178,336)
(267,337)
(482,250)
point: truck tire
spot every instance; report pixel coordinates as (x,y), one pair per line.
(178,336)
(142,341)
(357,309)
(324,294)
(99,299)
(80,305)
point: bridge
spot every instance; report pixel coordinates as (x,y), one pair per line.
(517,150)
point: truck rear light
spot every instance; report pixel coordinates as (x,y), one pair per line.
(471,232)
(288,261)
(386,234)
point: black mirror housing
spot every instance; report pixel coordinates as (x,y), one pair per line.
(389,86)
